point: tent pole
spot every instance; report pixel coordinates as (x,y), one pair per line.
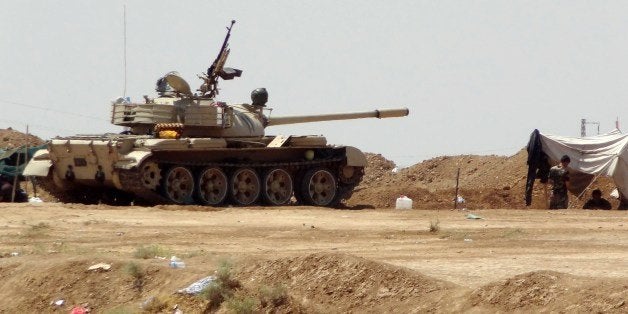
(591,183)
(26,159)
(456,196)
(15,175)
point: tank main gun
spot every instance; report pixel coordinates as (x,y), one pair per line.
(183,148)
(377,113)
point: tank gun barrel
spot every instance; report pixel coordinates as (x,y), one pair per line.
(378,113)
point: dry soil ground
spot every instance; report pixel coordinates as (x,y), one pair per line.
(369,260)
(314,260)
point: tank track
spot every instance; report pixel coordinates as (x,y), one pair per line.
(82,195)
(131,179)
(132,183)
(47,184)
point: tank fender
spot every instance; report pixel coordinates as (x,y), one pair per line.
(39,165)
(132,159)
(355,157)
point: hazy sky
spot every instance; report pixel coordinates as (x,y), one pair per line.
(478,76)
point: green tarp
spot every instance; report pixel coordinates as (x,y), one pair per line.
(12,161)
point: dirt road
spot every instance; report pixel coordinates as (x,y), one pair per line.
(474,259)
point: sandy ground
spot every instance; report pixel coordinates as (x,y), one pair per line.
(51,239)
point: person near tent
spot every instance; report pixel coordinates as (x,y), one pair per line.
(6,189)
(559,176)
(596,201)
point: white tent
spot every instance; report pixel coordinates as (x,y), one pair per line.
(591,157)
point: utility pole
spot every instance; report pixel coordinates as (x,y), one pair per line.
(583,128)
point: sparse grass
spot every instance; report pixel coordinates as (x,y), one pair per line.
(93,221)
(41,226)
(39,248)
(215,293)
(276,295)
(121,310)
(193,254)
(222,288)
(223,275)
(453,235)
(135,271)
(511,233)
(38,230)
(434,226)
(241,304)
(60,247)
(154,305)
(151,251)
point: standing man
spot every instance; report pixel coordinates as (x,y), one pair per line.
(559,175)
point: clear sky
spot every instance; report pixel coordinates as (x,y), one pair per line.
(478,76)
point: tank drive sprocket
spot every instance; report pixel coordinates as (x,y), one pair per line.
(150,174)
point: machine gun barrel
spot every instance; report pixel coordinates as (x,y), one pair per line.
(378,113)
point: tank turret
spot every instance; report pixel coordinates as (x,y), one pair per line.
(185,147)
(200,117)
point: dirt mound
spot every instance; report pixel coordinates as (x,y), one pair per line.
(484,182)
(553,292)
(320,282)
(10,138)
(345,283)
(33,288)
(378,167)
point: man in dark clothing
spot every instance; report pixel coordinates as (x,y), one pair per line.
(596,201)
(6,189)
(559,175)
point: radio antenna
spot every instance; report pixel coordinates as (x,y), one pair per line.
(124,93)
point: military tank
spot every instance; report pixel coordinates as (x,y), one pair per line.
(187,148)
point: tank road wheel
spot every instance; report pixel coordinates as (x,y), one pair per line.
(212,186)
(179,185)
(319,188)
(151,174)
(245,186)
(277,187)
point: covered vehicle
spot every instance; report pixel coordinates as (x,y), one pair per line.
(12,164)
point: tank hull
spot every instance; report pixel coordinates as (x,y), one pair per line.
(270,170)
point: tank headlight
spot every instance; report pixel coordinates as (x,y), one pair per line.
(309,154)
(348,172)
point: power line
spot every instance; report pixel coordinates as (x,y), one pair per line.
(46,127)
(465,153)
(51,110)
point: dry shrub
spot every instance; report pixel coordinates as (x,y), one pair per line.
(222,288)
(241,304)
(276,295)
(151,251)
(38,230)
(135,271)
(434,226)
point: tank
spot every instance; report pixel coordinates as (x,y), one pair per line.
(187,148)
